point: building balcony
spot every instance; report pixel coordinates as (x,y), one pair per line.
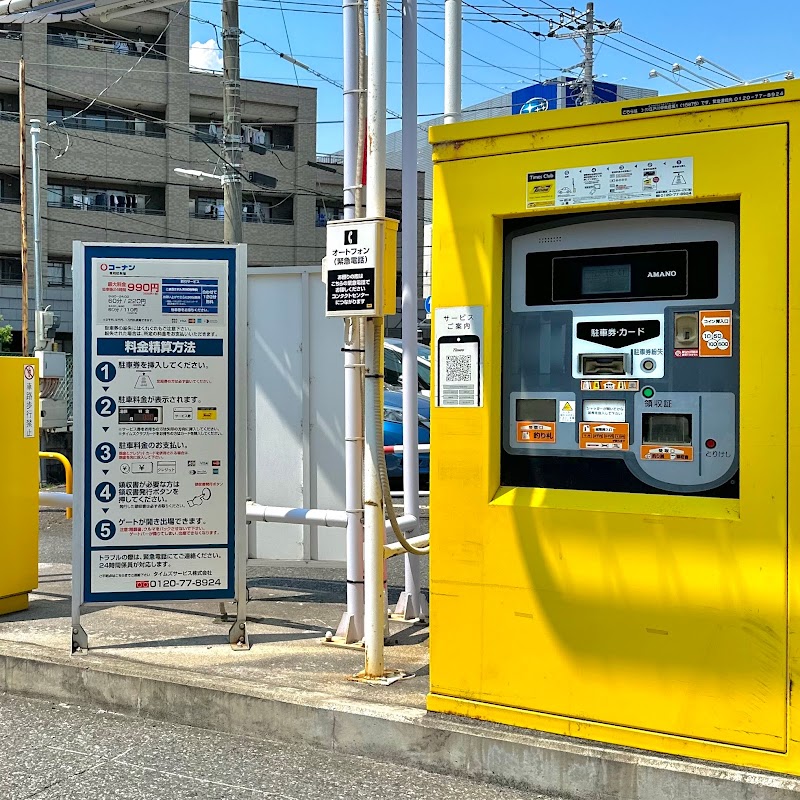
(123,211)
(246,217)
(106,43)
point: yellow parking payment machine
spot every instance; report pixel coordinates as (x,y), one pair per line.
(611,502)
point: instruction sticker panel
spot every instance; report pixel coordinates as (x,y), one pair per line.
(610,183)
(160,494)
(603,436)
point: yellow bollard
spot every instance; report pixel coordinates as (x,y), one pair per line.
(19,489)
(67,471)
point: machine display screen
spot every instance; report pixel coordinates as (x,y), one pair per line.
(680,271)
(606,279)
(540,410)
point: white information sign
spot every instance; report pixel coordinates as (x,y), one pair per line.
(459,356)
(162,437)
(611,183)
(566,411)
(29,400)
(604,411)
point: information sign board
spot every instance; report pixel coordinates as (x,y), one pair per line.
(352,268)
(160,421)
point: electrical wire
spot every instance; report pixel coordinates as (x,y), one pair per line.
(674,55)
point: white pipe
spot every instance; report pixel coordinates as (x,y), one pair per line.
(410,604)
(452,61)
(396,549)
(376,110)
(304,516)
(374,532)
(301,516)
(400,448)
(55,499)
(351,626)
(36,132)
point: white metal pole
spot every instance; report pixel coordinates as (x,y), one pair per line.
(351,626)
(374,589)
(452,61)
(411,604)
(36,133)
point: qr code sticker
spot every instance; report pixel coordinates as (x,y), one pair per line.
(458,369)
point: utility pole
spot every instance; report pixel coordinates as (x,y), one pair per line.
(23,208)
(232,123)
(574,25)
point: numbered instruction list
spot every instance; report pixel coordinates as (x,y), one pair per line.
(158,508)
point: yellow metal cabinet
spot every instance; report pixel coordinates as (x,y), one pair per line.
(19,487)
(653,615)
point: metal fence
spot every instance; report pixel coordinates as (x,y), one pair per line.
(65,389)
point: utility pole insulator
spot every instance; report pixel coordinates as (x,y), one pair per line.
(574,25)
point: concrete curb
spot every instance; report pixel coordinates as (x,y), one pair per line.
(549,765)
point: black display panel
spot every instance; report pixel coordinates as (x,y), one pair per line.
(539,410)
(678,271)
(666,428)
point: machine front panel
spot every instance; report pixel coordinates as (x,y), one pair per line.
(621,357)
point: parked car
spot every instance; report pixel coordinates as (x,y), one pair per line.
(393,434)
(393,365)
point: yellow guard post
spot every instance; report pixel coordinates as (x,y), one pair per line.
(19,487)
(612,554)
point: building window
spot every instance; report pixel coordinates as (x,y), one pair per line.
(117,199)
(59,273)
(10,270)
(328,212)
(9,190)
(139,45)
(271,210)
(105,121)
(257,137)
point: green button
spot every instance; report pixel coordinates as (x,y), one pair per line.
(648,392)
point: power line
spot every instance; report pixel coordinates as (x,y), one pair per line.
(514,26)
(670,53)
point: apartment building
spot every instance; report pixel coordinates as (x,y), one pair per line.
(109,172)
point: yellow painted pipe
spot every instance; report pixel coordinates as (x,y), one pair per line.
(67,471)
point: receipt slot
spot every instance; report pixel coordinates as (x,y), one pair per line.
(612,514)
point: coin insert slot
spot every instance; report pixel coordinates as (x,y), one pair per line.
(667,428)
(685,330)
(603,364)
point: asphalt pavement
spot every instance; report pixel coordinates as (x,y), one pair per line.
(56,751)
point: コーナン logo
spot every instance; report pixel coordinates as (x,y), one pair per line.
(124,268)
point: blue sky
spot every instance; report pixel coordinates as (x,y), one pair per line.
(726,31)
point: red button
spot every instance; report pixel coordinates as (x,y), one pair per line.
(711,443)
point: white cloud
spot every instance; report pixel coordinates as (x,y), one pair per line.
(205,56)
